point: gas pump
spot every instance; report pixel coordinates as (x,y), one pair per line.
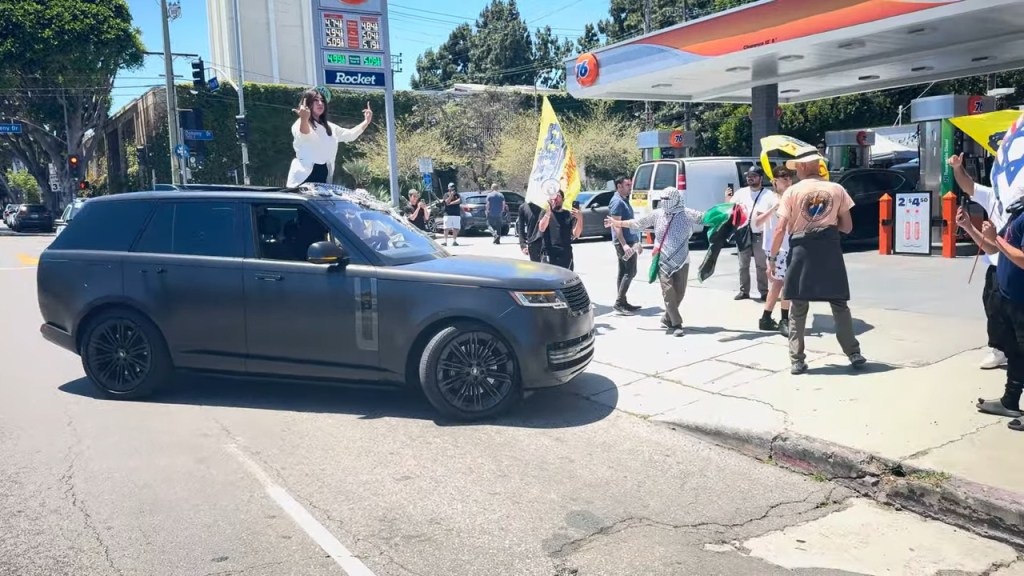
(939,139)
(848,149)
(663,144)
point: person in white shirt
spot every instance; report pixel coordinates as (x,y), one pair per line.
(315,140)
(777,266)
(755,199)
(996,210)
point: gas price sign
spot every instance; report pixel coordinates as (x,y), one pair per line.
(344,31)
(913,223)
(351,42)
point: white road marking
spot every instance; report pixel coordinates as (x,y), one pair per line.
(314,529)
(8,268)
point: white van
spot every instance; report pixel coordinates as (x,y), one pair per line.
(703,181)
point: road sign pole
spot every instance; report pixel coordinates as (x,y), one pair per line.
(172,112)
(183,162)
(389,105)
(241,88)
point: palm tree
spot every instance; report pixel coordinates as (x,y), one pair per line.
(359,170)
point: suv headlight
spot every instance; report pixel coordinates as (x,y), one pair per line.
(540,299)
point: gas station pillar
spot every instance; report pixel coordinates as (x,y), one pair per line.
(763,114)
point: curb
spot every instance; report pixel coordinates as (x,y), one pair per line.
(986,511)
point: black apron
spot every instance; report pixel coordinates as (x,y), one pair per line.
(816,271)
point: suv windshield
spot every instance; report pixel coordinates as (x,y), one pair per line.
(380,229)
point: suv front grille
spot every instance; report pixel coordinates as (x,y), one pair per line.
(577,297)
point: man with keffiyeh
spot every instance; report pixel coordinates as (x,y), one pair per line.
(673,225)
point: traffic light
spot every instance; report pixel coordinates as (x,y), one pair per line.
(73,165)
(198,74)
(242,128)
(83,186)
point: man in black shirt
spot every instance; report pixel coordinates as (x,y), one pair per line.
(558,229)
(530,240)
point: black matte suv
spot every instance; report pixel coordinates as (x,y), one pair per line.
(316,284)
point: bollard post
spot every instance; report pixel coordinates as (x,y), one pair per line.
(885,224)
(949,225)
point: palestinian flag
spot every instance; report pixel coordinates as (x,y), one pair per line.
(719,222)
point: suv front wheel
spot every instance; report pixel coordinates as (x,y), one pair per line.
(469,372)
(124,355)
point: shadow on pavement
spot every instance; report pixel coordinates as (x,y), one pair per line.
(735,335)
(846,370)
(542,409)
(824,324)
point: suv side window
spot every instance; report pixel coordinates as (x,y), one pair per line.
(285,231)
(193,229)
(665,176)
(108,226)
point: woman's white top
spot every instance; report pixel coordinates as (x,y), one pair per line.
(317,147)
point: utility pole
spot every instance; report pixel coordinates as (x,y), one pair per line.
(172,104)
(389,106)
(686,105)
(241,91)
(649,117)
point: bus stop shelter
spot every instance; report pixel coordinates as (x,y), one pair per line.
(787,51)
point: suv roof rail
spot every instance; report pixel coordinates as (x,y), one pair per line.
(218,188)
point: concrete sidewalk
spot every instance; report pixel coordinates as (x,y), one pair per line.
(903,430)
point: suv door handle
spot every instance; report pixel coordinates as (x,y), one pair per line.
(269,277)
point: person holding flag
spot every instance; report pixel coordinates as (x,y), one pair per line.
(558,229)
(554,172)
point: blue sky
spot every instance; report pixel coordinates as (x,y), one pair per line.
(415,26)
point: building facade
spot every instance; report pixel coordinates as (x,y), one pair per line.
(277,41)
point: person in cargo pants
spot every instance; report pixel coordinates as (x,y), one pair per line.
(755,200)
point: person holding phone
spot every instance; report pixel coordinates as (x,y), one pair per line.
(754,199)
(315,140)
(558,229)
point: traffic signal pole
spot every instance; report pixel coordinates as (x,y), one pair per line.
(241,90)
(172,104)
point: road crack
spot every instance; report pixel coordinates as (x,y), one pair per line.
(963,436)
(634,522)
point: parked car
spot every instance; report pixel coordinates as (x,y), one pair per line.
(319,285)
(866,186)
(703,179)
(32,217)
(8,209)
(911,170)
(70,211)
(594,207)
(473,214)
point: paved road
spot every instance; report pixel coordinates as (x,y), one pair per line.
(227,477)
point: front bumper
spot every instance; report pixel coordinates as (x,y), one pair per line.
(558,347)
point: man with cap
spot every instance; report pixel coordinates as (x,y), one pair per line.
(754,199)
(452,215)
(814,212)
(417,213)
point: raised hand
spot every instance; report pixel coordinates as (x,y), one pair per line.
(367,113)
(956,160)
(302,110)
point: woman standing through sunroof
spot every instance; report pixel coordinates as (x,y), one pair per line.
(316,139)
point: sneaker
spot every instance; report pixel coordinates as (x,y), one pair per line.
(678,333)
(798,368)
(742,296)
(767,324)
(857,360)
(671,331)
(455,243)
(622,310)
(632,307)
(994,359)
(665,323)
(784,328)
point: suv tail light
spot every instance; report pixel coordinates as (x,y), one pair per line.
(681,181)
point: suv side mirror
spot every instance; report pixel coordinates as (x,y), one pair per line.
(327,253)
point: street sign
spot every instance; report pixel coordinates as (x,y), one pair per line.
(354,78)
(428,181)
(10,128)
(181,151)
(213,84)
(199,135)
(426,165)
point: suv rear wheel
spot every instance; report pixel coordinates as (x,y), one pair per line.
(468,372)
(124,355)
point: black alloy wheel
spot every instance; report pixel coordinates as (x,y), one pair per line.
(124,355)
(468,372)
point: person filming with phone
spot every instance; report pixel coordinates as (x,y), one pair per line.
(558,229)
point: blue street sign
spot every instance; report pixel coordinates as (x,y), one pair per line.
(213,84)
(354,78)
(11,128)
(181,151)
(428,181)
(204,135)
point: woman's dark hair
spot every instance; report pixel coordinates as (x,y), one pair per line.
(307,98)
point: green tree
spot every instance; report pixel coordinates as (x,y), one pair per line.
(23,186)
(502,49)
(58,59)
(551,52)
(436,70)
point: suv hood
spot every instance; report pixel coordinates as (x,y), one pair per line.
(488,272)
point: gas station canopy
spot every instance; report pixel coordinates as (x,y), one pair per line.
(811,49)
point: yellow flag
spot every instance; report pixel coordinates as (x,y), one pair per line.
(790,146)
(986,129)
(554,166)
